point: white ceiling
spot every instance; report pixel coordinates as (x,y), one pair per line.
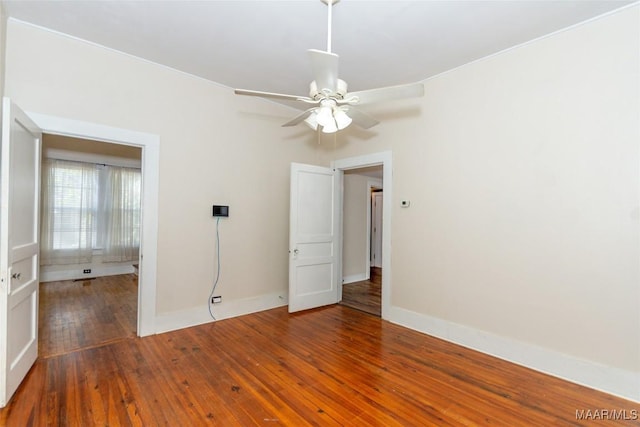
(262,44)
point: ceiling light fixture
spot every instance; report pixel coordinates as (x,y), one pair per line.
(334,108)
(329,117)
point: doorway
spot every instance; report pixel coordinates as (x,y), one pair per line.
(21,137)
(150,146)
(97,297)
(362,239)
(382,159)
(323,219)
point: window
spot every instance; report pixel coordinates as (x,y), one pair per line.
(87,207)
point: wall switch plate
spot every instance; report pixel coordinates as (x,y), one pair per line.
(216,300)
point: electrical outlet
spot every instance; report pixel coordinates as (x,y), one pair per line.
(216,300)
(87,271)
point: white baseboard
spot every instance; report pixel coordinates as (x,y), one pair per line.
(625,384)
(75,274)
(225,310)
(354,278)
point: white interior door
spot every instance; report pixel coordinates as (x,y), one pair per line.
(19,247)
(313,237)
(376,229)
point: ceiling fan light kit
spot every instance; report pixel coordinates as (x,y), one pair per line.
(329,117)
(333,105)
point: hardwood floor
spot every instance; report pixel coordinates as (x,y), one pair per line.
(365,295)
(81,314)
(324,367)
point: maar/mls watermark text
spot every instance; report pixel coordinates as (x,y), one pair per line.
(607,414)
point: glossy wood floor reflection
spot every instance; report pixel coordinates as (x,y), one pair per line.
(80,314)
(365,295)
(325,367)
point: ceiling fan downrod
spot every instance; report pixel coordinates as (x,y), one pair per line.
(329,3)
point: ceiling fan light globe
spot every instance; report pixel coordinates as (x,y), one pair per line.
(312,125)
(325,116)
(312,121)
(342,120)
(330,127)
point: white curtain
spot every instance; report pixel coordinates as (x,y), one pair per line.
(87,207)
(121,214)
(69,195)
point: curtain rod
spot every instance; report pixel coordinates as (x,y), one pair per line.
(94,163)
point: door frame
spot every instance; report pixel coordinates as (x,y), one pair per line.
(372,244)
(372,184)
(376,159)
(150,148)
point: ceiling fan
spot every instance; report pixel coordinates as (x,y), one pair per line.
(333,106)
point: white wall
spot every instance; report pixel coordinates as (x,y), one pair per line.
(523,175)
(215,148)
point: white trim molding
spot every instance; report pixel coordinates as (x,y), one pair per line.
(150,145)
(352,278)
(383,158)
(225,310)
(77,274)
(625,384)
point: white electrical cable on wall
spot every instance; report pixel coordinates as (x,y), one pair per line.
(215,282)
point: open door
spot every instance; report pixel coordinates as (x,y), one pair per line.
(313,237)
(19,247)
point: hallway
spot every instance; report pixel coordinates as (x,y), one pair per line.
(365,295)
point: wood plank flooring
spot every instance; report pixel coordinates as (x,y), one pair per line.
(86,313)
(365,295)
(323,367)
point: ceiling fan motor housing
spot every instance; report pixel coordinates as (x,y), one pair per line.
(339,93)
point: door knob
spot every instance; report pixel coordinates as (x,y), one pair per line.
(16,276)
(296,251)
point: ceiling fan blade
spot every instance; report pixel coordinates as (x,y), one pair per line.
(299,118)
(325,69)
(361,119)
(272,95)
(385,94)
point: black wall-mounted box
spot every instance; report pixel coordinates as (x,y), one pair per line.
(220,210)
